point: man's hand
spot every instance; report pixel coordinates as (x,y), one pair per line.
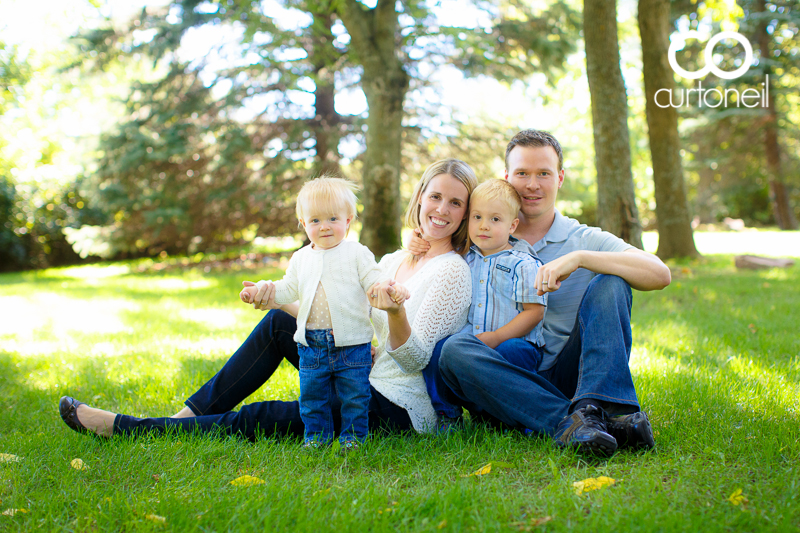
(551,274)
(489,339)
(418,245)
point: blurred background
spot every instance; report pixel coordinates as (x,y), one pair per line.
(132,128)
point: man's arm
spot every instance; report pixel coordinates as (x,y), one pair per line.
(643,271)
(520,325)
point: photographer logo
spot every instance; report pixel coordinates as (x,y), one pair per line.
(712,97)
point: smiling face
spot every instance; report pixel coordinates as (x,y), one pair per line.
(328,230)
(443,206)
(533,171)
(490,224)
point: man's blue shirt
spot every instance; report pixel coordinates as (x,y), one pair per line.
(567,235)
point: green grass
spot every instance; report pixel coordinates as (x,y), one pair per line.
(716,363)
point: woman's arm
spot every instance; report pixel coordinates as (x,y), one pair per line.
(441,312)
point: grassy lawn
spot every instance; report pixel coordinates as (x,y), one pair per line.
(716,362)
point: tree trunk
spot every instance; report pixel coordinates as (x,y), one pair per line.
(778,194)
(675,238)
(385,83)
(616,202)
(326,123)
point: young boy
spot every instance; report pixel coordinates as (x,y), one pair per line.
(506,313)
(330,278)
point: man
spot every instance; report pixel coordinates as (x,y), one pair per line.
(583,393)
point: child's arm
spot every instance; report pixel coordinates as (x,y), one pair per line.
(519,326)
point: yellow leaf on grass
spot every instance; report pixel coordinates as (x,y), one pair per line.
(155,518)
(8,458)
(442,524)
(737,498)
(78,464)
(486,469)
(12,512)
(246,481)
(592,483)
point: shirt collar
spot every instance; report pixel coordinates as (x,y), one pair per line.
(517,245)
(559,231)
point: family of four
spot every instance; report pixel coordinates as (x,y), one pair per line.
(530,331)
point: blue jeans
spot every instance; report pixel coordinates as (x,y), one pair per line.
(592,365)
(343,369)
(517,351)
(270,342)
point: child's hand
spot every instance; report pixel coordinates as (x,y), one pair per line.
(418,245)
(489,339)
(380,296)
(400,294)
(249,292)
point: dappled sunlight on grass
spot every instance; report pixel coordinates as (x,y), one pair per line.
(716,362)
(210,317)
(766,243)
(46,315)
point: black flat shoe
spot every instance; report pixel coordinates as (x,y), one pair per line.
(68,407)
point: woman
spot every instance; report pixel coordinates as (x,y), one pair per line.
(440,288)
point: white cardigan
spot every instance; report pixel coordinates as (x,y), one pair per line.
(441,292)
(346,272)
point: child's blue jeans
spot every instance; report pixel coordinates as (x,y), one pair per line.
(518,352)
(326,369)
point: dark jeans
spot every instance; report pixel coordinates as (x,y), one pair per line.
(325,367)
(592,365)
(270,342)
(517,351)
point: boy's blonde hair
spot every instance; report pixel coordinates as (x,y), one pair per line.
(499,190)
(460,171)
(327,195)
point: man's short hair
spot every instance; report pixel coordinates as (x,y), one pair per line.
(535,138)
(501,191)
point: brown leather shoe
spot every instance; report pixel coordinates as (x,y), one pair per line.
(68,407)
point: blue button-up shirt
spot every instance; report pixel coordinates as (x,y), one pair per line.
(501,283)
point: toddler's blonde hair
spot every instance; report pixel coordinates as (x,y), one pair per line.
(326,195)
(499,190)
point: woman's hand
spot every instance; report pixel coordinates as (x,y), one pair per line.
(264,297)
(384,296)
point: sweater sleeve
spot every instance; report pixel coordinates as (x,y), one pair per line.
(287,289)
(441,313)
(369,273)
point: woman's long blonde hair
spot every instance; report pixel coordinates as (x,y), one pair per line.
(460,171)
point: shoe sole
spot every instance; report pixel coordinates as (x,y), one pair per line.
(599,445)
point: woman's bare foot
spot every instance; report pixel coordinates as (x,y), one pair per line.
(184,413)
(96,420)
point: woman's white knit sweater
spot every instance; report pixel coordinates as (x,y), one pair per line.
(441,292)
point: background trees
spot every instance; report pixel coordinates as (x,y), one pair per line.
(216,111)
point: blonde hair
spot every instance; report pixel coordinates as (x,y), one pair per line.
(499,190)
(327,195)
(460,171)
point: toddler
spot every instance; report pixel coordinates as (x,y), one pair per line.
(330,278)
